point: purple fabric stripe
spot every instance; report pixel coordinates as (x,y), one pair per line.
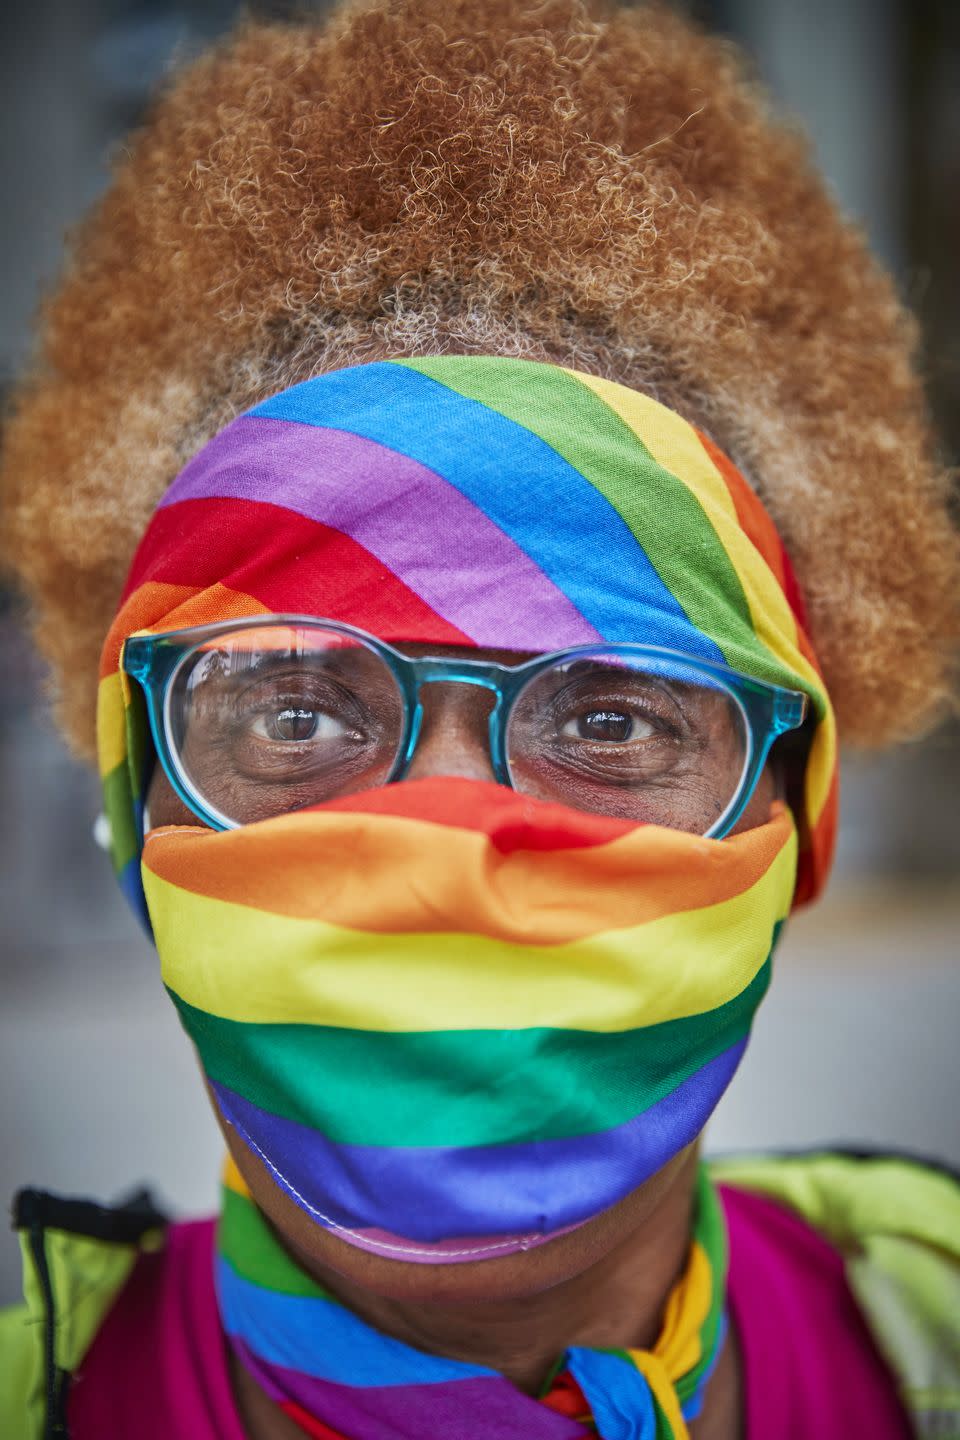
(430,1193)
(456,1248)
(479,1408)
(405,514)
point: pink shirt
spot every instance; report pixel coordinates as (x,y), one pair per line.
(810,1367)
(158,1367)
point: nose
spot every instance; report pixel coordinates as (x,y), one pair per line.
(454,735)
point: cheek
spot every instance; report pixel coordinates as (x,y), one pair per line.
(758,811)
(164,805)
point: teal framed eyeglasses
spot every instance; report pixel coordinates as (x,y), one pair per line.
(256,718)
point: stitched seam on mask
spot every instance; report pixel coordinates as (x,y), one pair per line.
(358,1235)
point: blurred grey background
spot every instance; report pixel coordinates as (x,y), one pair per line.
(858,1041)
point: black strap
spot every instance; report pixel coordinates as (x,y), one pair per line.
(124,1223)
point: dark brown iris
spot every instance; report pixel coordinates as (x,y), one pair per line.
(605,725)
(295,724)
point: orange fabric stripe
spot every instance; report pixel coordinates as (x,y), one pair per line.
(754,520)
(158,605)
(528,897)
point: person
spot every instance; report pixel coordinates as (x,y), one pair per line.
(521,474)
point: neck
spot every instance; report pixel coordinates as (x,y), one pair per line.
(615,1301)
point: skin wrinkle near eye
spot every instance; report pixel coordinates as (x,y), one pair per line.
(231,761)
(710,741)
(680,770)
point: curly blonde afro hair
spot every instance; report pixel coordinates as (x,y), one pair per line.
(596,186)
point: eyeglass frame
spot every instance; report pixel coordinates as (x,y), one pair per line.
(154,660)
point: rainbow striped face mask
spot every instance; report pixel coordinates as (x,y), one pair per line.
(452,1018)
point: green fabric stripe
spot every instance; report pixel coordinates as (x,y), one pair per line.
(710,1228)
(369,1088)
(138,737)
(118,807)
(244,1239)
(666,517)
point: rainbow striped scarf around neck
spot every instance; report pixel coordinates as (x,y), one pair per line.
(340,1379)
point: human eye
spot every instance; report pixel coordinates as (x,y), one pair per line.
(653,740)
(608,722)
(283,718)
(263,724)
(295,718)
(299,713)
(614,717)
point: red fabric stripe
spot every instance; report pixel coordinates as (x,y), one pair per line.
(791,588)
(309,1424)
(509,820)
(813,863)
(286,562)
(566,1398)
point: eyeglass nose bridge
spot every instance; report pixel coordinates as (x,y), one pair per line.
(434,670)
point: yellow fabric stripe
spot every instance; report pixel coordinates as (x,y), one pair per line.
(654,1371)
(111,724)
(247,965)
(688,1306)
(232,1178)
(677,1350)
(674,445)
(820,766)
(671,440)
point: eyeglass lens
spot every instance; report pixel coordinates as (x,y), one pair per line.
(641,739)
(271,719)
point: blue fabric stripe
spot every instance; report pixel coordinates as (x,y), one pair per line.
(318,1337)
(131,886)
(431,1192)
(691,1407)
(520,482)
(617,1393)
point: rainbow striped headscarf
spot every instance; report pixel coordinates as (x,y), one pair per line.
(472,501)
